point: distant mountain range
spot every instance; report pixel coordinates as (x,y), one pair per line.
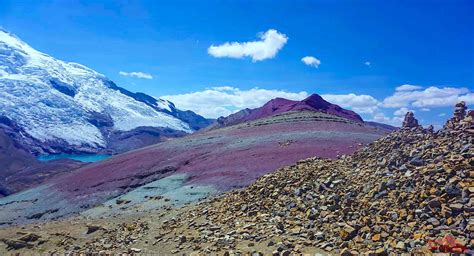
(58,106)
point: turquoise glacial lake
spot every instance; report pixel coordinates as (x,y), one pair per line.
(86,158)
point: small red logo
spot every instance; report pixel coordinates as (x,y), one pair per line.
(447,244)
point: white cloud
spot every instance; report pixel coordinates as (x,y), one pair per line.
(270,43)
(367,63)
(406,97)
(442,114)
(402,111)
(395,120)
(364,104)
(311,61)
(380,117)
(429,97)
(408,87)
(224,88)
(225,100)
(136,74)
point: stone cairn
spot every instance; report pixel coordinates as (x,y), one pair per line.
(410,121)
(459,111)
(468,121)
(460,120)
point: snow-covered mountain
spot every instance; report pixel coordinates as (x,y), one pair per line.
(57,102)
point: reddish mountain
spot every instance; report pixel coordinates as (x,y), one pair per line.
(279,105)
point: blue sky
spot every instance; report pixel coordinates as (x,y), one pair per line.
(427,44)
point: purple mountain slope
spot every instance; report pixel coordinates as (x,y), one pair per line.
(279,105)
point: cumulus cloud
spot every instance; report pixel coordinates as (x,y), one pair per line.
(364,104)
(410,97)
(395,120)
(368,105)
(402,111)
(267,47)
(367,63)
(408,87)
(225,100)
(430,97)
(380,117)
(311,61)
(136,74)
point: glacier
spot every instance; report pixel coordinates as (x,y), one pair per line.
(54,100)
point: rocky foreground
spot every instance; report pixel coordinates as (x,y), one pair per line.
(394,196)
(409,192)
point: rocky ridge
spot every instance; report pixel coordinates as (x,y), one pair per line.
(394,196)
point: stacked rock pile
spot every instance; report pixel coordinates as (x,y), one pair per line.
(410,121)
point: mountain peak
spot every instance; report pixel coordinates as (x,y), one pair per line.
(59,102)
(316,101)
(278,102)
(12,41)
(314,96)
(6,33)
(275,106)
